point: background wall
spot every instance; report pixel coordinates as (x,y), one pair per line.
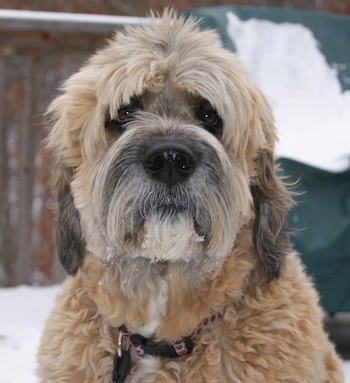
(33,64)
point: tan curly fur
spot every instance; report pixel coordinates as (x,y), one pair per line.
(158,259)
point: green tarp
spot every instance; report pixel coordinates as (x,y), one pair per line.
(332,31)
(321,217)
(321,222)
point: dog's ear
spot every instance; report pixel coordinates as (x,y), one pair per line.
(70,245)
(68,115)
(272,200)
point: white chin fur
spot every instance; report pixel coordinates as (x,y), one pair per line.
(170,239)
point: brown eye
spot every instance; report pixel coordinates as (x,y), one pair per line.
(210,118)
(124,114)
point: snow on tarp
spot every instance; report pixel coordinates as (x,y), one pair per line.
(312,113)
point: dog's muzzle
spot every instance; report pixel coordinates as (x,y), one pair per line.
(170,162)
(165,196)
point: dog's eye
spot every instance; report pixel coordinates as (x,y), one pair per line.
(117,125)
(211,121)
(210,118)
(125,112)
(124,115)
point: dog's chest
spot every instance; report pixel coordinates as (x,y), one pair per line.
(157,306)
(152,297)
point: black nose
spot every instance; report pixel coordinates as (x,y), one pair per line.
(170,162)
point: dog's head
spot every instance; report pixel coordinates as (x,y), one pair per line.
(165,151)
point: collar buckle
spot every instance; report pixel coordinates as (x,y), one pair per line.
(123,344)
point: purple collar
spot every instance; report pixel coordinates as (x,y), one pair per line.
(148,346)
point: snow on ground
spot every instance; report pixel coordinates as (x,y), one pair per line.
(22,317)
(286,63)
(23,311)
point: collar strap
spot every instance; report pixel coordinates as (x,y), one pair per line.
(148,346)
(145,346)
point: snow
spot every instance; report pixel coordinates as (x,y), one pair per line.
(313,121)
(23,314)
(311,111)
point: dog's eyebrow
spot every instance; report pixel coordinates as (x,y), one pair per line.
(201,102)
(135,103)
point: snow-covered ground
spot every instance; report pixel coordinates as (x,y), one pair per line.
(23,311)
(313,120)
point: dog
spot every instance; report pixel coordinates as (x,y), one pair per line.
(171,223)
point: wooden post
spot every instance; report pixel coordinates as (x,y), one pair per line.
(26,171)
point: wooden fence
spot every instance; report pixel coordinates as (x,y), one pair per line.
(38,51)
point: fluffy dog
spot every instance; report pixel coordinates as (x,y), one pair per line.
(171,221)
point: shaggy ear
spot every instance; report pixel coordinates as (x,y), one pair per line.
(68,115)
(271,204)
(272,200)
(69,242)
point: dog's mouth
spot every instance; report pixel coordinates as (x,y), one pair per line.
(170,210)
(164,226)
(171,202)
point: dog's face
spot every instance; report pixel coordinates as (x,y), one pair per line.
(165,151)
